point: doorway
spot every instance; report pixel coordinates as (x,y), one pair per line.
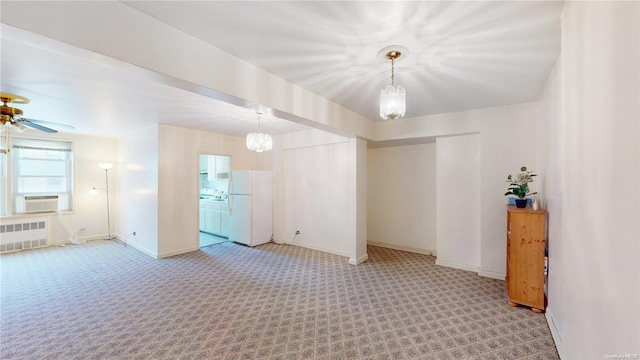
(214,174)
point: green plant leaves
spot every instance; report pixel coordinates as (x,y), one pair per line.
(518,185)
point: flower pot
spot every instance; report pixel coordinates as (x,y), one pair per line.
(521,203)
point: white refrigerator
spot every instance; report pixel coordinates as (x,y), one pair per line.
(250,207)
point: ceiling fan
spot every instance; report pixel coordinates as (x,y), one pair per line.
(13,116)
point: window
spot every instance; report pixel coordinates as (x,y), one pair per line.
(40,169)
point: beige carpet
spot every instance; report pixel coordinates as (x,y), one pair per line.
(101,300)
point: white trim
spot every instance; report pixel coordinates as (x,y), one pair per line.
(313,247)
(68,241)
(555,334)
(403,248)
(140,248)
(174,253)
(455,265)
(493,275)
(359,260)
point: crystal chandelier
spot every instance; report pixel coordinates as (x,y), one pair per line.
(392,98)
(259,142)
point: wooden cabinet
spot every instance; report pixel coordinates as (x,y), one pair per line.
(525,257)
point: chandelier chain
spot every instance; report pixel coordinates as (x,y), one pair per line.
(392,72)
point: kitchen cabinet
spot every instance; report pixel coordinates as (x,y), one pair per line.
(212,167)
(224,220)
(525,257)
(222,167)
(219,167)
(202,215)
(214,217)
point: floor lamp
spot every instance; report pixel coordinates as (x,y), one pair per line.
(105,167)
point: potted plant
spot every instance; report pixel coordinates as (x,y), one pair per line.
(519,186)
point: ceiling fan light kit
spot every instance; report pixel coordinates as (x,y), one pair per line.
(10,116)
(392,98)
(258,141)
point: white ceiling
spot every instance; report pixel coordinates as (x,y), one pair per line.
(463,55)
(103,96)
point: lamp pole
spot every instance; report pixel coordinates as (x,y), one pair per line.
(106,167)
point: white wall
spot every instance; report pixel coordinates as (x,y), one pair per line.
(320,189)
(178,172)
(458,201)
(137,167)
(358,250)
(159,187)
(590,156)
(401,201)
(89,212)
(318,198)
(507,142)
(307,138)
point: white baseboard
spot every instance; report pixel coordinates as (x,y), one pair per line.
(455,265)
(352,261)
(68,241)
(403,248)
(359,260)
(142,249)
(475,269)
(314,247)
(101,237)
(491,274)
(555,334)
(174,253)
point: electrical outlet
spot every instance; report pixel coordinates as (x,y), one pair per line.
(297,232)
(134,233)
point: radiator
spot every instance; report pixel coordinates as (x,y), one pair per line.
(36,204)
(21,236)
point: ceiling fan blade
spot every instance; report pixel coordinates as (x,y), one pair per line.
(30,124)
(54,124)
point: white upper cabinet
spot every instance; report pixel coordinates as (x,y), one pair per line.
(216,167)
(222,167)
(212,167)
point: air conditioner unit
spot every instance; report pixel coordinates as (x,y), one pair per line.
(43,203)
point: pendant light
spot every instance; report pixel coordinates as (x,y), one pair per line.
(392,98)
(258,141)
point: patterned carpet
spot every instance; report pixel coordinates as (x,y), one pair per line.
(102,300)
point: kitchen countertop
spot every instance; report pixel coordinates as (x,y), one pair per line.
(224,201)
